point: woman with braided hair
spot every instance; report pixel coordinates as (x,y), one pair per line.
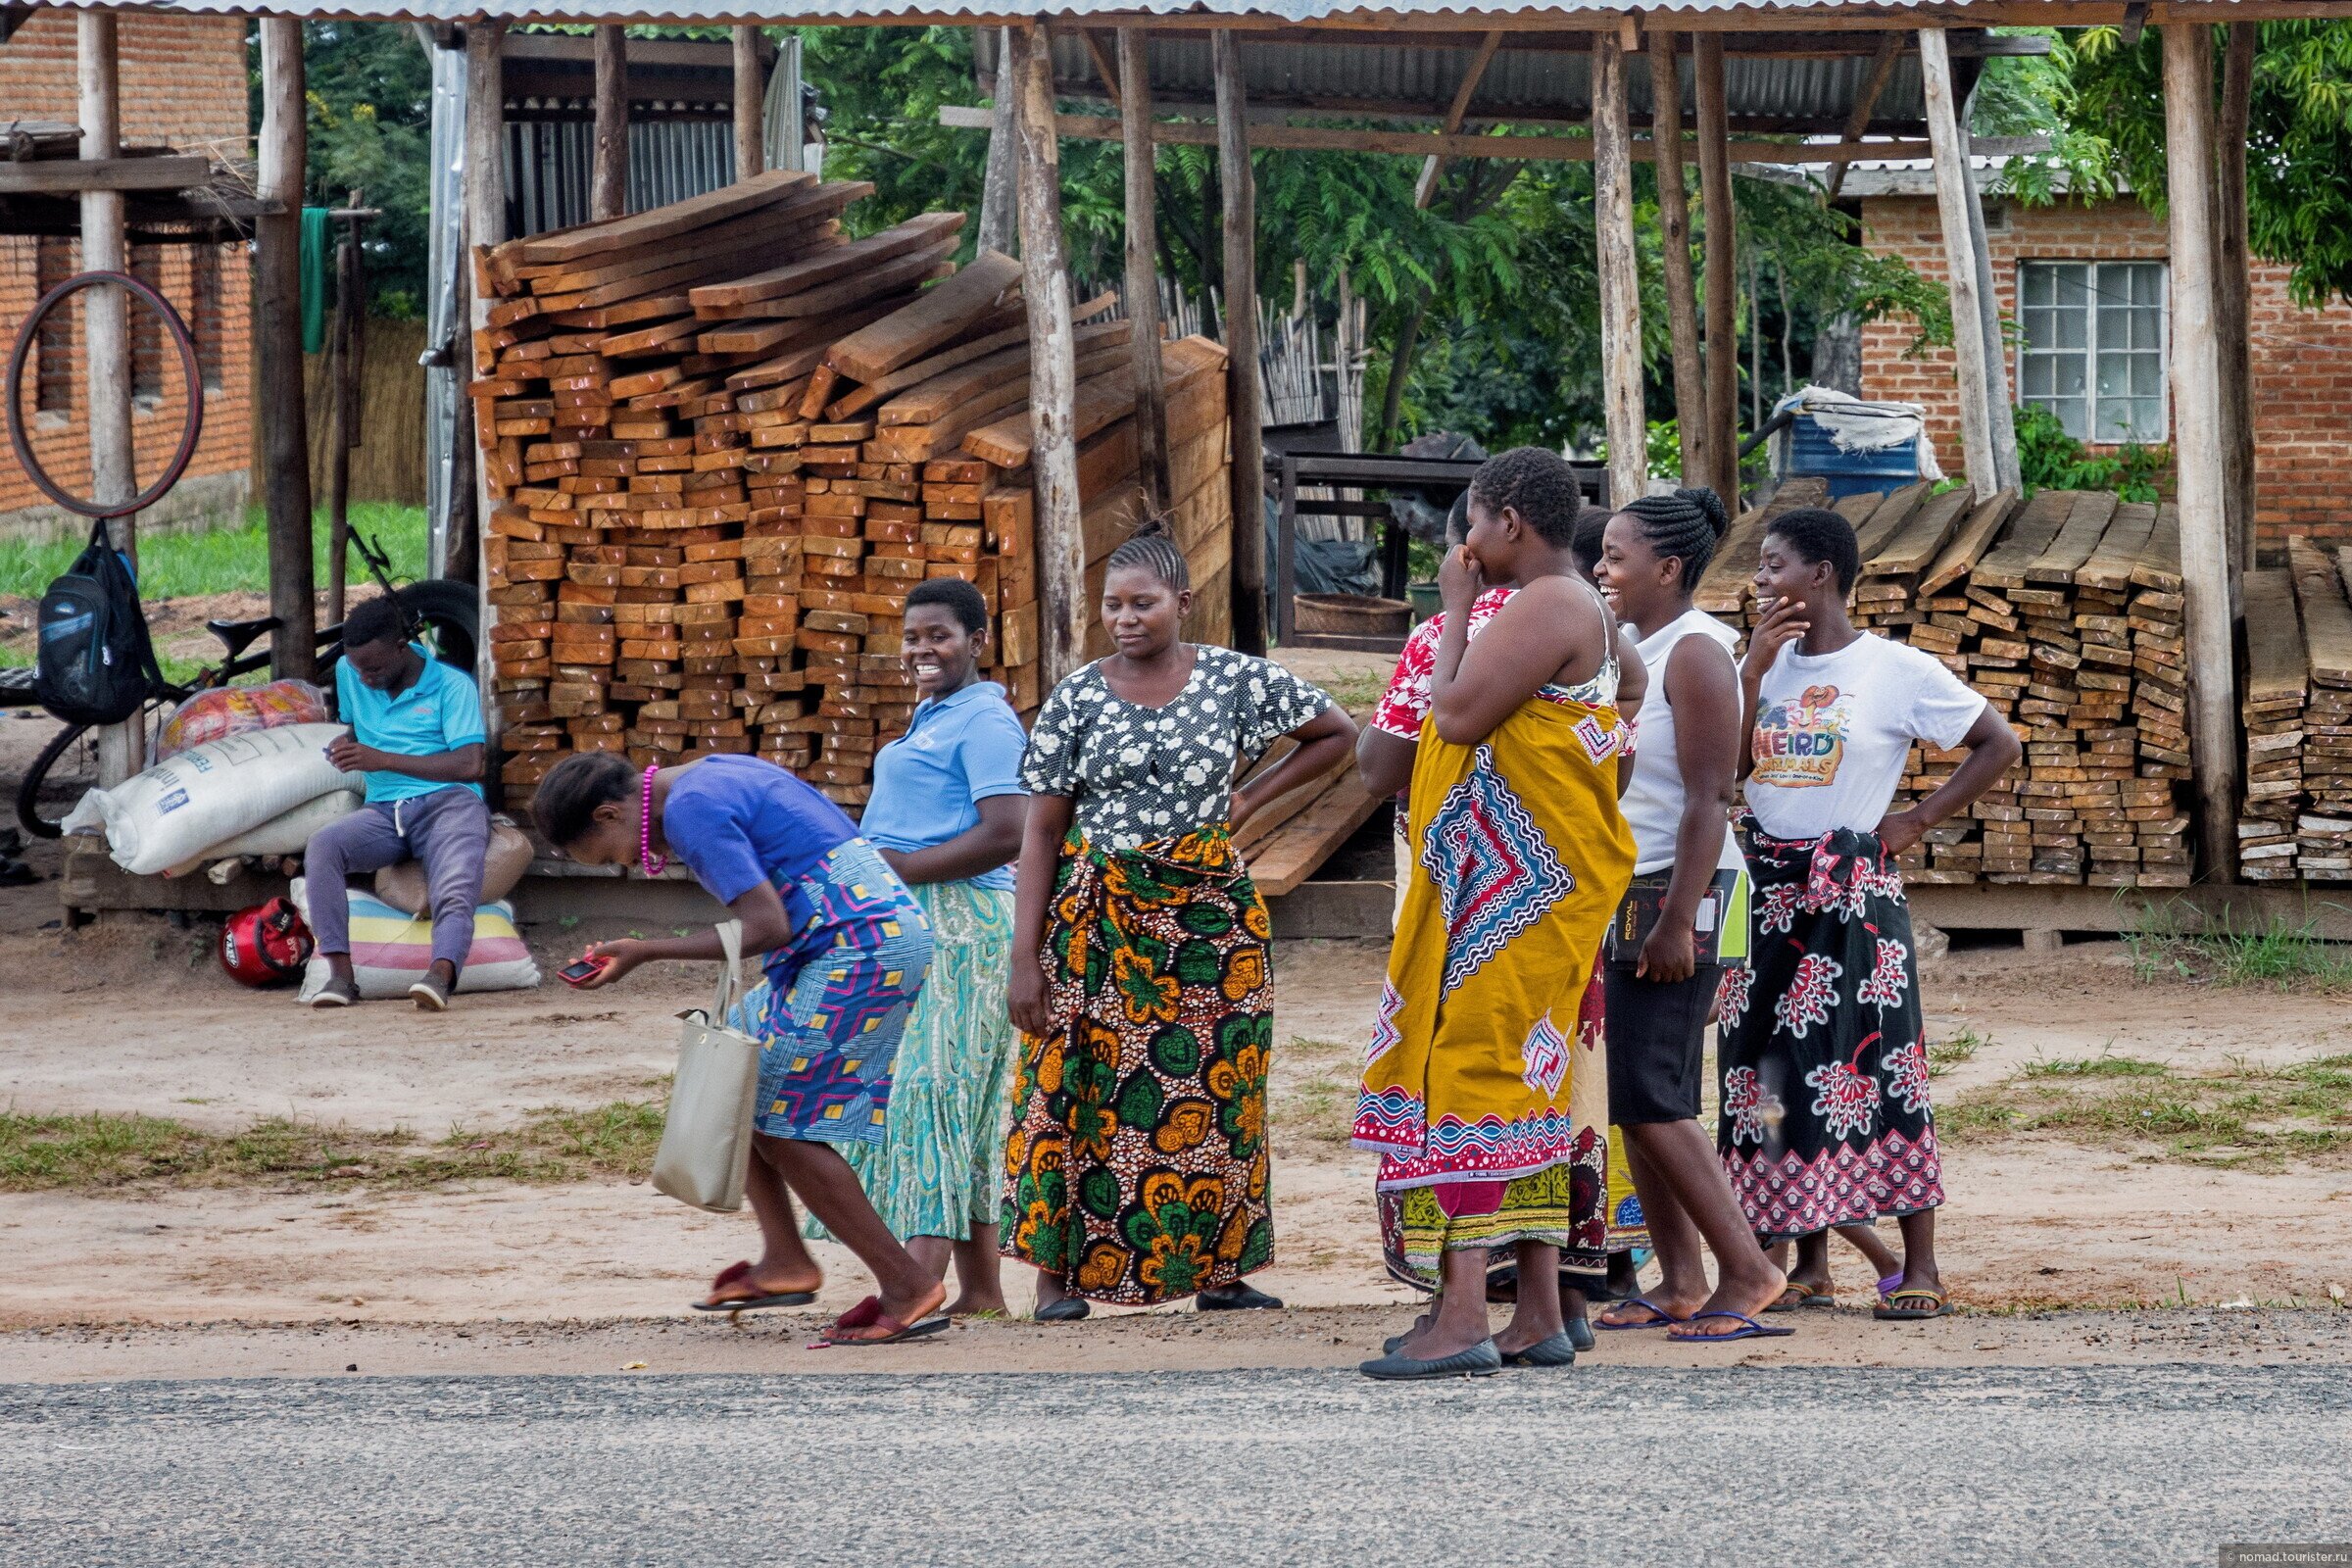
(1690,891)
(1137,1170)
(1473,1073)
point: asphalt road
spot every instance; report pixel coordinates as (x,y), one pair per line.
(2029,1466)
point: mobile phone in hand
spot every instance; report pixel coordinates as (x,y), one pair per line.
(580,972)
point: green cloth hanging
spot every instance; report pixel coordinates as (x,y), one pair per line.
(318,258)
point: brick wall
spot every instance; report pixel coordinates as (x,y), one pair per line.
(2302,391)
(184,83)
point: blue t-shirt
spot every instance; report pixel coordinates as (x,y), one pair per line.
(440,713)
(958,750)
(737,821)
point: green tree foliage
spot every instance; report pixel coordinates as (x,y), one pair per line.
(371,113)
(2298,138)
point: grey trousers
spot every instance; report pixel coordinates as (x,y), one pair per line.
(449,830)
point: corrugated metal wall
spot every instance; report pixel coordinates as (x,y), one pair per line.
(669,160)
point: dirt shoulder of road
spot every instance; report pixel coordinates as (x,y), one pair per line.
(1176,1340)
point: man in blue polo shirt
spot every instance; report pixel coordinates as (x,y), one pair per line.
(417,734)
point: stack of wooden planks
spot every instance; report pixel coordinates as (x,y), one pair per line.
(2296,819)
(726,440)
(2065,612)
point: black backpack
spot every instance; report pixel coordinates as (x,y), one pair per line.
(96,665)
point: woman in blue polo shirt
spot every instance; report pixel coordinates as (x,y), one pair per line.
(946,813)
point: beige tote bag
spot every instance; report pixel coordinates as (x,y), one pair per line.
(706,1135)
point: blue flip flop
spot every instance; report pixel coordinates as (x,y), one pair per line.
(1752,1330)
(1663,1319)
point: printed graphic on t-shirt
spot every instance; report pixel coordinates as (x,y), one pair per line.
(1799,744)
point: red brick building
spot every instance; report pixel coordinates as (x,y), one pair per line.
(2086,290)
(182,83)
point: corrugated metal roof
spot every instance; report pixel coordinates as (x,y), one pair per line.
(1344,79)
(1390,13)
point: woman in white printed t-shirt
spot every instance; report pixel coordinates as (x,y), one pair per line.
(1824,1118)
(1688,910)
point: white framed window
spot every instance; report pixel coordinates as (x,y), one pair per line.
(2096,336)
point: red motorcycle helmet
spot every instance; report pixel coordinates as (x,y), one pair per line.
(264,945)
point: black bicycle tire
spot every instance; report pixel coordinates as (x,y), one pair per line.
(446,599)
(28,789)
(191,427)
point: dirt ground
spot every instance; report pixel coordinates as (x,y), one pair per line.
(134,1017)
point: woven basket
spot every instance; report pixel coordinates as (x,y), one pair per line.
(1354,614)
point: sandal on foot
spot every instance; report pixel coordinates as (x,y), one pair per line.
(1662,1318)
(1802,1298)
(1749,1329)
(1579,1333)
(1938,1305)
(1555,1349)
(742,1271)
(1481,1360)
(868,1314)
(1235,1298)
(1069,1309)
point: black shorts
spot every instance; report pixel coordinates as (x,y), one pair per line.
(1657,1044)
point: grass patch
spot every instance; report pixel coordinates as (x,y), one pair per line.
(176,565)
(2244,1116)
(1320,1105)
(1357,691)
(1946,1055)
(2282,955)
(2099,1066)
(99,1151)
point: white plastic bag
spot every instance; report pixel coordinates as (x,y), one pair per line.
(208,795)
(288,833)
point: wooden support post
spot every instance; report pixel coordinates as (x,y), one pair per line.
(1052,359)
(609,169)
(1241,401)
(751,96)
(1866,103)
(106,333)
(1425,189)
(2206,567)
(1674,245)
(1721,215)
(1143,268)
(277,330)
(1620,273)
(485,182)
(2232,299)
(999,231)
(1955,193)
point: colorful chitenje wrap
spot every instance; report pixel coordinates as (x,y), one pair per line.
(1823,1117)
(1469,1089)
(1137,1170)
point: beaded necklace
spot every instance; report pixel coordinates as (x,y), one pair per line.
(646,862)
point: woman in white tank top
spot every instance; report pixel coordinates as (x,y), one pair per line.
(1689,871)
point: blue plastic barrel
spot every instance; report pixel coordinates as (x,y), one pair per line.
(1811,453)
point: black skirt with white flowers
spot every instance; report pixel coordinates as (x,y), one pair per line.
(1825,1118)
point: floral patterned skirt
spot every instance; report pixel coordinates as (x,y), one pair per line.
(1825,1118)
(1137,1170)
